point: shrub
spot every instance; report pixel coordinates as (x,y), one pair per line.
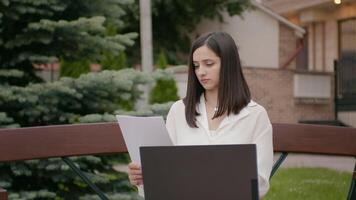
(73,68)
(68,101)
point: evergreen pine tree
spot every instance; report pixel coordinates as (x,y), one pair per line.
(41,31)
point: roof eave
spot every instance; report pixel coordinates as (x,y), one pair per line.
(299,31)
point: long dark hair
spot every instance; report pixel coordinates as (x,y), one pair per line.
(233,94)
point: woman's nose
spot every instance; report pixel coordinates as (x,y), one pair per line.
(201,71)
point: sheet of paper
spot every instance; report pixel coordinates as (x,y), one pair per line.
(143,131)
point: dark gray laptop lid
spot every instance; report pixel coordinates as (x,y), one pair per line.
(206,172)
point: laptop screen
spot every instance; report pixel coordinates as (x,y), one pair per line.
(206,172)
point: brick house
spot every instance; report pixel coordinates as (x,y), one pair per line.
(330,35)
(291,84)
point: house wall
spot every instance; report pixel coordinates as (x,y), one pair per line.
(331,44)
(274,89)
(256,34)
(287,46)
(321,23)
(322,45)
(265,45)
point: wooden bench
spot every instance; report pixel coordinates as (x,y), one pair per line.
(315,139)
(61,141)
(105,138)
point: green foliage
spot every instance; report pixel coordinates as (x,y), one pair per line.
(174,20)
(41,31)
(162,60)
(151,110)
(7,122)
(114,62)
(65,101)
(43,194)
(165,89)
(309,183)
(161,109)
(73,68)
(15,76)
(53,179)
(10,73)
(114,197)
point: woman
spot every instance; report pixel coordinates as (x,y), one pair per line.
(218,108)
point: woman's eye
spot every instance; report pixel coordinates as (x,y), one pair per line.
(209,64)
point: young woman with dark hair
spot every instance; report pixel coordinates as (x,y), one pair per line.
(218,108)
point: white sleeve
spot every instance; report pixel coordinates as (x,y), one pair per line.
(264,143)
(170,124)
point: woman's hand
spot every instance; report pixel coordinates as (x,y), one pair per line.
(135,174)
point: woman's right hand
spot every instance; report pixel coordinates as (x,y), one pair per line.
(135,174)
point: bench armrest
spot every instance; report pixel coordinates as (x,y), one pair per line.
(3,194)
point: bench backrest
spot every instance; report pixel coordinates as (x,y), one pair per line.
(315,139)
(106,138)
(62,140)
(3,194)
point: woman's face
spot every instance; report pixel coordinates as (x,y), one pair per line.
(207,68)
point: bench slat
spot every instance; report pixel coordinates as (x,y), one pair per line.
(318,139)
(61,140)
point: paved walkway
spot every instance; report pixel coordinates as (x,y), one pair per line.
(332,162)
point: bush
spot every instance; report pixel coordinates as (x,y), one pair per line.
(7,122)
(68,101)
(73,68)
(151,110)
(165,89)
(162,60)
(53,179)
(114,62)
(63,101)
(93,97)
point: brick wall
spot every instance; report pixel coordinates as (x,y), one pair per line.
(273,89)
(287,45)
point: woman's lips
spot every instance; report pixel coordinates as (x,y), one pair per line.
(204,81)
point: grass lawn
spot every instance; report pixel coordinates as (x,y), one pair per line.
(309,183)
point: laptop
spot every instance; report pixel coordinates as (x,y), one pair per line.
(203,172)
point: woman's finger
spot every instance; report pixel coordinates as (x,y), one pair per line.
(135,172)
(134,166)
(140,182)
(135,177)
